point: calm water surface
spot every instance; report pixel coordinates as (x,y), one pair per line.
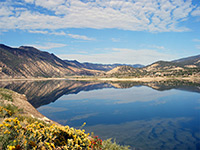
(146,117)
(140,116)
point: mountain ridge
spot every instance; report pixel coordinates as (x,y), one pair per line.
(30,62)
(192,60)
(26,62)
(101,67)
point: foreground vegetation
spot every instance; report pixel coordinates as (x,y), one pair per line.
(18,131)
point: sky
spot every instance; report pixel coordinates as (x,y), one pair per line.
(104,31)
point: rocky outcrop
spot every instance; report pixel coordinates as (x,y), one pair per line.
(20,101)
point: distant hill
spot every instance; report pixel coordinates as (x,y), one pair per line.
(25,62)
(102,67)
(181,67)
(193,60)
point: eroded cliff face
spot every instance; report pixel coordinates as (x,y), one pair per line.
(28,62)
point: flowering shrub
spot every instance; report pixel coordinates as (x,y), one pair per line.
(5,112)
(15,136)
(96,143)
(8,110)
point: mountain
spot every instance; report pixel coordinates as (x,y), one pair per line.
(189,61)
(181,67)
(25,62)
(29,62)
(101,67)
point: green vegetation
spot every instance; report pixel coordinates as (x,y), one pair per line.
(5,95)
(109,145)
(18,132)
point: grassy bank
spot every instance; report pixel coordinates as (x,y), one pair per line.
(22,128)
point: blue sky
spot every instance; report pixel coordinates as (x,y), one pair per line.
(104,31)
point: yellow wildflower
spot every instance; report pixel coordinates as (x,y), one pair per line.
(25,141)
(11,147)
(52,144)
(7,132)
(7,125)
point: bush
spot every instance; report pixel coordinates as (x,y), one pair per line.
(15,135)
(5,112)
(109,145)
(5,95)
(8,110)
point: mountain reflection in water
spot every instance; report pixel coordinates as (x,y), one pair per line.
(147,116)
(41,93)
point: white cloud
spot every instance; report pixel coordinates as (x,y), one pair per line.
(5,11)
(47,32)
(48,46)
(128,56)
(143,15)
(38,31)
(198,46)
(80,37)
(29,1)
(58,33)
(157,47)
(196,12)
(115,39)
(49,4)
(196,40)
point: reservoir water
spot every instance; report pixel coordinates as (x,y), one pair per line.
(146,116)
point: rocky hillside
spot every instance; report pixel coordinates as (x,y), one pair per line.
(8,97)
(192,62)
(26,62)
(124,70)
(182,67)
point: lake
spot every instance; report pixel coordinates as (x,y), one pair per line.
(146,116)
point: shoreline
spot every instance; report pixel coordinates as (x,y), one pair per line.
(87,78)
(31,79)
(143,79)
